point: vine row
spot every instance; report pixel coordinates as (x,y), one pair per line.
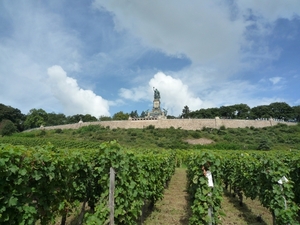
(41,183)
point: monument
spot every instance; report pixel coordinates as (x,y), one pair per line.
(156,112)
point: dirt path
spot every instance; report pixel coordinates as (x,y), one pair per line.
(173,208)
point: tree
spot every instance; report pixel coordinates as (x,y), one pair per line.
(185,112)
(262,111)
(12,114)
(56,119)
(89,118)
(296,113)
(35,118)
(120,116)
(143,114)
(7,127)
(105,118)
(281,110)
(134,114)
(205,113)
(241,111)
(227,112)
(74,119)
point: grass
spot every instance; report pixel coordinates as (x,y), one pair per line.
(251,212)
(174,207)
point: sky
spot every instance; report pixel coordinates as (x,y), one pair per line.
(101,57)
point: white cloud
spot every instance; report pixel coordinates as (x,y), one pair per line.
(134,94)
(74,99)
(174,94)
(275,80)
(217,34)
(202,30)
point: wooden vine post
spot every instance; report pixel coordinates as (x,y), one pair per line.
(111,195)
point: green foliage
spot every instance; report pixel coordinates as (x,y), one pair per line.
(54,119)
(257,175)
(105,118)
(35,118)
(264,144)
(222,127)
(277,110)
(12,114)
(90,128)
(43,182)
(58,131)
(185,112)
(120,116)
(7,128)
(203,196)
(150,127)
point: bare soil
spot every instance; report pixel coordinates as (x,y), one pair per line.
(251,212)
(199,141)
(173,208)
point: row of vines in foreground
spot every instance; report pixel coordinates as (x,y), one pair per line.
(41,183)
(271,177)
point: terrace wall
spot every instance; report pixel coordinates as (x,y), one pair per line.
(186,124)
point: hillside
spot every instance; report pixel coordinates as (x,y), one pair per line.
(276,137)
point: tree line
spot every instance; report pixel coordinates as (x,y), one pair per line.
(277,110)
(13,120)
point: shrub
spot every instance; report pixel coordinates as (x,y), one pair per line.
(58,131)
(42,133)
(264,145)
(196,135)
(89,128)
(222,127)
(150,127)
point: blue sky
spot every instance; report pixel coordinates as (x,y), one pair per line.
(101,57)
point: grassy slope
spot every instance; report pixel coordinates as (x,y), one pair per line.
(278,137)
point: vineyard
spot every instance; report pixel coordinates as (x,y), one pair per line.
(46,179)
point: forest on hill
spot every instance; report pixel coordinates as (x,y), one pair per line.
(13,120)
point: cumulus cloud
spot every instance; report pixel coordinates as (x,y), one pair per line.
(74,99)
(202,30)
(134,94)
(226,35)
(174,94)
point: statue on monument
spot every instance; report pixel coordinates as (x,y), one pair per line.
(156,93)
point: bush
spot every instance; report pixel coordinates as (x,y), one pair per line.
(150,127)
(195,135)
(264,145)
(58,131)
(89,128)
(42,133)
(222,127)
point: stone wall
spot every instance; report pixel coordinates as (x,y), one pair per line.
(186,124)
